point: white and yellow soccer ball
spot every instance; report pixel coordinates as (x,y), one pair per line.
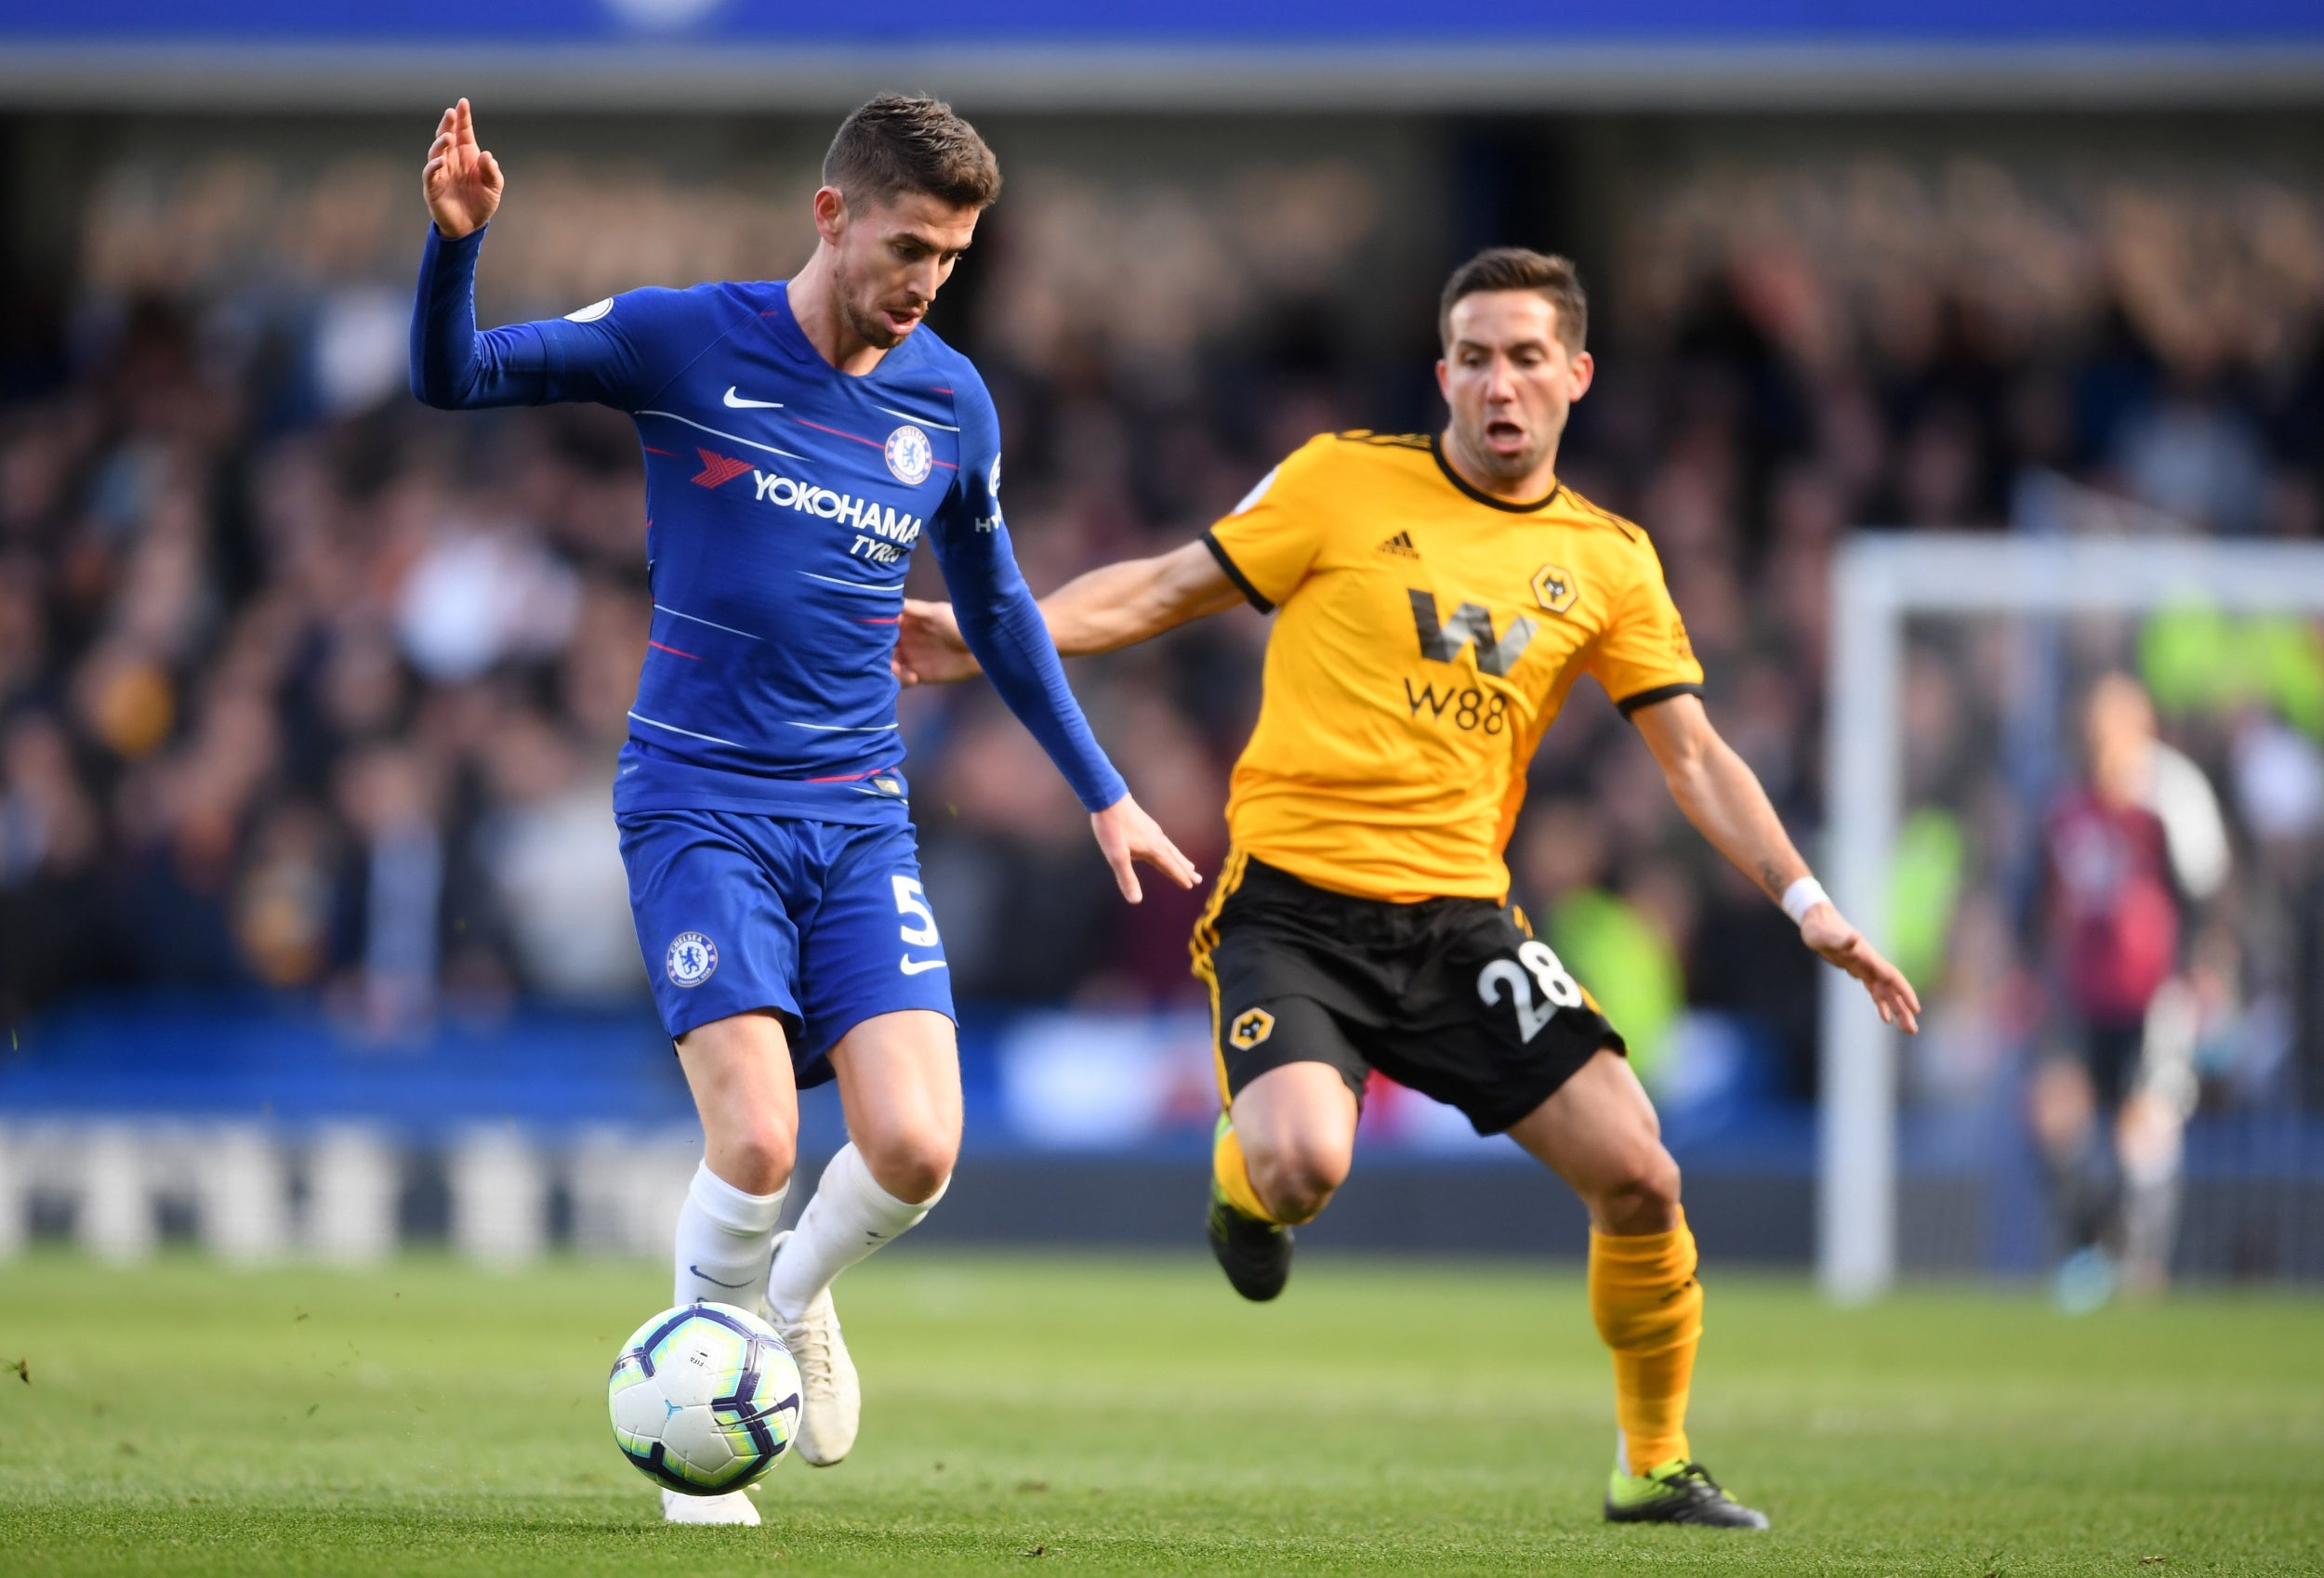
(704,1398)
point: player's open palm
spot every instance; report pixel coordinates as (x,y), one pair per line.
(1826,930)
(462,181)
(1127,836)
(929,647)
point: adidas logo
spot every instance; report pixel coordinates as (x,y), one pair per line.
(1401,545)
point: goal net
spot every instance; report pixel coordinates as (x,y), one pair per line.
(2117,945)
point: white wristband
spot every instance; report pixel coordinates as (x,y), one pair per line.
(1802,897)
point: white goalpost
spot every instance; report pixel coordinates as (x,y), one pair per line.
(1878,581)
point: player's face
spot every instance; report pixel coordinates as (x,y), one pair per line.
(2119,728)
(1509,382)
(891,257)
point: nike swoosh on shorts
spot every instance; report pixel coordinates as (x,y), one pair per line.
(911,966)
(742,402)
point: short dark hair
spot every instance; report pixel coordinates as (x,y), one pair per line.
(1516,268)
(895,144)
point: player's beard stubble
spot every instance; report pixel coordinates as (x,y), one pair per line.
(864,316)
(1506,470)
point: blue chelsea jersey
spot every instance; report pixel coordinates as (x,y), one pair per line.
(783,499)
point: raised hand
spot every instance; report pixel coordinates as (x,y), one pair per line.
(461,182)
(1128,835)
(929,647)
(1826,930)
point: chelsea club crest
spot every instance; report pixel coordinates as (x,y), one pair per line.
(691,959)
(910,455)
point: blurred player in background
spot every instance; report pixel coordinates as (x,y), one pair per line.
(2126,856)
(799,438)
(1440,595)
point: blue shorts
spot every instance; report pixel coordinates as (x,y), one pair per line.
(822,922)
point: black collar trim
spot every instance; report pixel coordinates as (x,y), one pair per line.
(1437,447)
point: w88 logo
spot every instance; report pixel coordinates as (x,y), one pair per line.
(1466,707)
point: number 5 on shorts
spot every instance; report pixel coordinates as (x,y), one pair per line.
(912,903)
(1540,965)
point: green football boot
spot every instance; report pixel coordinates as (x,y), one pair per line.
(1676,1492)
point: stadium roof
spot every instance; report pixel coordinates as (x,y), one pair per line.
(758,56)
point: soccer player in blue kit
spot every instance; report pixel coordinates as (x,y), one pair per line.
(799,438)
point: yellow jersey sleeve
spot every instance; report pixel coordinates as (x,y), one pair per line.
(1269,541)
(1642,656)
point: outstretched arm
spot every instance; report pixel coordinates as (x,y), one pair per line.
(597,355)
(1721,796)
(1001,628)
(452,366)
(1117,605)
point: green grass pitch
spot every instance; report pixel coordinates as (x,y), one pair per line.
(1111,1414)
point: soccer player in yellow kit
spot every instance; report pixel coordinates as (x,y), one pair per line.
(1438,598)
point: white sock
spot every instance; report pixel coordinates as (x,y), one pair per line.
(725,1238)
(850,1216)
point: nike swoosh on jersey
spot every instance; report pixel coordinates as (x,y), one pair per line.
(743,403)
(911,966)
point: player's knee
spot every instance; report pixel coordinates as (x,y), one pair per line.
(1296,1181)
(1640,1194)
(912,1164)
(756,1155)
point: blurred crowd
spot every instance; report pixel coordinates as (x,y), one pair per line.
(303,687)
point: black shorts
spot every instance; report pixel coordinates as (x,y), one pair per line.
(2111,1051)
(1452,997)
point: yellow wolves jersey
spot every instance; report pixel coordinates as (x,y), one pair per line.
(1428,636)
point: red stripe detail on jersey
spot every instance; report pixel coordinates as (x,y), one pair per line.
(849,776)
(933,390)
(672,650)
(835,432)
(718,469)
(651,450)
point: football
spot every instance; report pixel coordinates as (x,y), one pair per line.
(704,1398)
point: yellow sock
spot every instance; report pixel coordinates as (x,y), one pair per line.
(1649,1310)
(1226,1166)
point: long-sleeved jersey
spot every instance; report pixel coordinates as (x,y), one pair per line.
(783,499)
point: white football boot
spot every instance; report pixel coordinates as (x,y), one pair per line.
(831,1400)
(734,1506)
